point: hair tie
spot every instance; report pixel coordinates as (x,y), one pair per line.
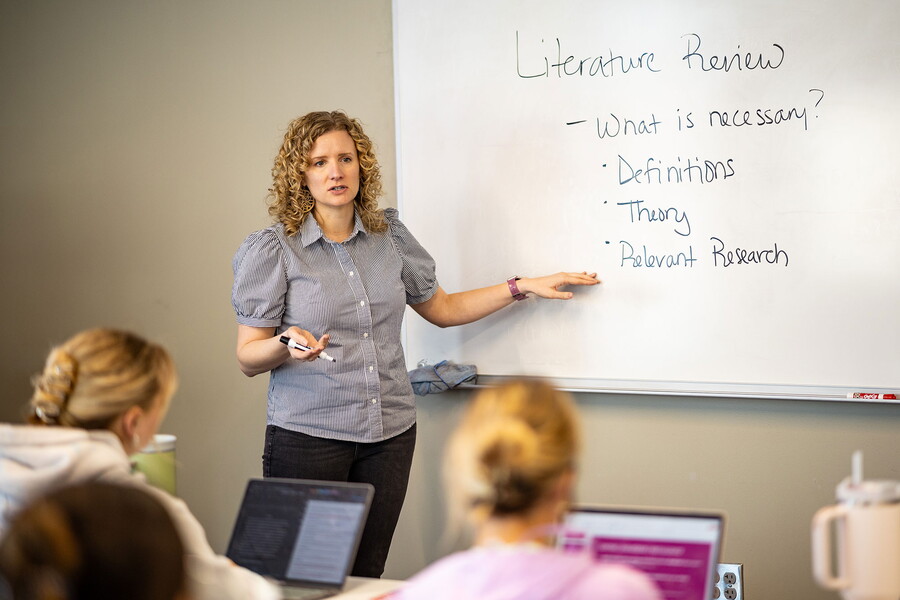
(47,412)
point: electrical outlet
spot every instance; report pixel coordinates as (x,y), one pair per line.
(729,582)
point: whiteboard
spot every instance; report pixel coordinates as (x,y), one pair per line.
(728,168)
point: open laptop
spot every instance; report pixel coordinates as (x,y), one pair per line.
(679,550)
(301,534)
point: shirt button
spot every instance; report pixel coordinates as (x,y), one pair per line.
(351,273)
(371,368)
(374,401)
(362,302)
(366,334)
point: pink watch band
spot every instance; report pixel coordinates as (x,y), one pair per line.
(514,288)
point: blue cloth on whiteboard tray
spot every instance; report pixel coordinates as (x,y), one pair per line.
(431,379)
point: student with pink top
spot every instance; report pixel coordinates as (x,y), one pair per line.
(510,470)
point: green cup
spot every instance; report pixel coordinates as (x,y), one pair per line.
(157,462)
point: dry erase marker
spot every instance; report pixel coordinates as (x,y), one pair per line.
(867,396)
(292,344)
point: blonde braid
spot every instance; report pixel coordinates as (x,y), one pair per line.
(53,387)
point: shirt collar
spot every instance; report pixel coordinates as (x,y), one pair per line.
(310,232)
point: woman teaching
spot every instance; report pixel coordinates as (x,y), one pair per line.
(336,271)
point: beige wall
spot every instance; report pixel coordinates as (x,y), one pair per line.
(136,144)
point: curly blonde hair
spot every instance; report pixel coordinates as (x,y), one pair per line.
(97,375)
(290,199)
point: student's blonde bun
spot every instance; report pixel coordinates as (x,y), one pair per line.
(513,444)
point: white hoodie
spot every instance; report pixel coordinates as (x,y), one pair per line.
(36,459)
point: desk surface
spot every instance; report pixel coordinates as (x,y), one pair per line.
(365,588)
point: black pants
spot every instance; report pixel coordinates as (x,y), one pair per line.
(384,464)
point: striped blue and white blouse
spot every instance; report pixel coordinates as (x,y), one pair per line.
(356,291)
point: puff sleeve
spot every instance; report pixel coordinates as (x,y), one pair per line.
(260,280)
(418,273)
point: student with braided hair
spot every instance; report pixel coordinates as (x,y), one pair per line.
(510,472)
(101,398)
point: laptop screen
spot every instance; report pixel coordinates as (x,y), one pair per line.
(678,550)
(300,531)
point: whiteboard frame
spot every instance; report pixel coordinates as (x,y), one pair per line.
(698,389)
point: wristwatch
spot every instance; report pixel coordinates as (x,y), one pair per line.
(514,288)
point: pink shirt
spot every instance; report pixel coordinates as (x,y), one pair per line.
(526,572)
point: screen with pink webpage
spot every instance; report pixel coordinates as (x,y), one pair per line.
(679,551)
